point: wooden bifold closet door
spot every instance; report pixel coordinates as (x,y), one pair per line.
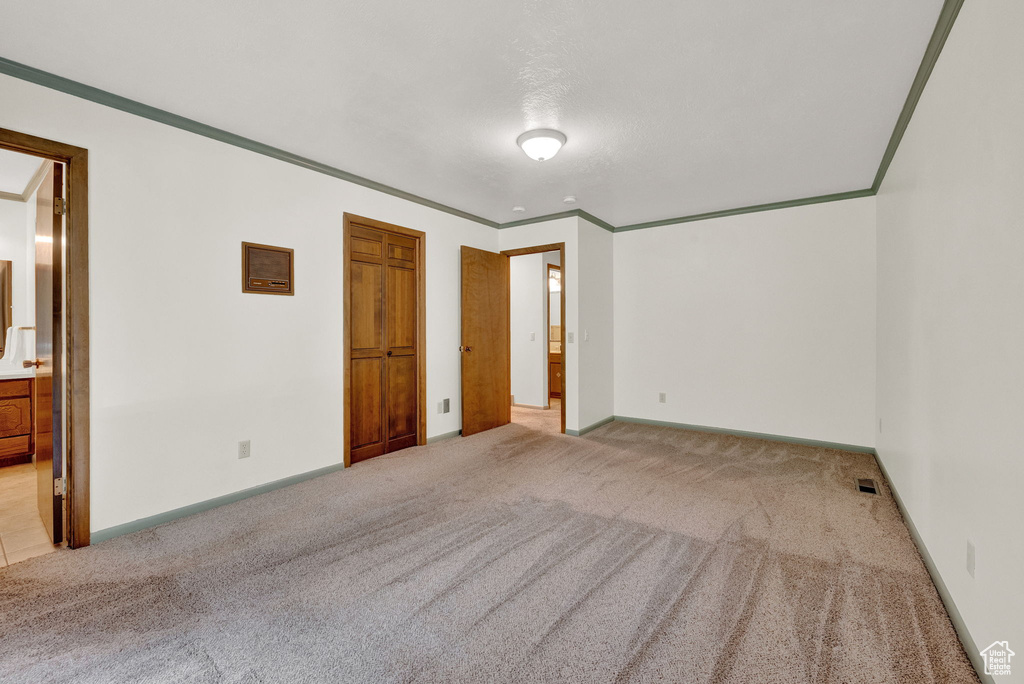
(383,309)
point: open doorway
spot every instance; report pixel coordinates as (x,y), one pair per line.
(487,398)
(535,325)
(44,358)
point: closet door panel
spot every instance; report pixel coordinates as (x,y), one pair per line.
(383,318)
(366,281)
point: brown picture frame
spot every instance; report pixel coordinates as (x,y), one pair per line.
(266,285)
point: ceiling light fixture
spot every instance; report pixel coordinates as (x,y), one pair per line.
(569,199)
(541,144)
(518,209)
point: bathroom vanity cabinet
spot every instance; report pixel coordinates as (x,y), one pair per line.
(17,422)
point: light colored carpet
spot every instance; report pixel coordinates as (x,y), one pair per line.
(633,554)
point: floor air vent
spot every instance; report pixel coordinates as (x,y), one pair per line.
(866,486)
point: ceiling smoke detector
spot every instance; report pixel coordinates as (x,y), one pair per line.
(541,144)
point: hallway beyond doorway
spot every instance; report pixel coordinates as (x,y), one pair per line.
(545,420)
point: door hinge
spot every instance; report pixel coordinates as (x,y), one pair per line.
(60,486)
(60,206)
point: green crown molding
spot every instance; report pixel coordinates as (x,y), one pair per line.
(86,92)
(560,215)
(835,197)
(867,192)
(596,221)
(540,219)
(947,16)
(950,10)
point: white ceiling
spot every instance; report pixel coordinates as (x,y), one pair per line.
(16,170)
(670,108)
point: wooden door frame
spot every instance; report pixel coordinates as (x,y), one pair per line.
(76,334)
(421,323)
(547,364)
(553,247)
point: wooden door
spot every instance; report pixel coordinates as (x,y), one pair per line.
(48,400)
(366,336)
(6,307)
(486,382)
(383,310)
(400,305)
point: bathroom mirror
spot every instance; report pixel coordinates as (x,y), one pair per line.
(554,309)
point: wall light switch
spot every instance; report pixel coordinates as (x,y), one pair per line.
(440,407)
(571,338)
(662,398)
(586,335)
(533,337)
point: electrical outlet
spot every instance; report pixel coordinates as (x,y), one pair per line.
(970,558)
(571,338)
(533,337)
(243,449)
(447,406)
(662,398)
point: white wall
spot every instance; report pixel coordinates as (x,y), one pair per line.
(596,325)
(951,318)
(183,364)
(528,280)
(762,322)
(14,219)
(28,314)
(554,307)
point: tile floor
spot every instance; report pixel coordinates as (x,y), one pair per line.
(22,534)
(548,420)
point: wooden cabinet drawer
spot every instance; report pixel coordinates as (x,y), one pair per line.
(555,379)
(15,388)
(15,417)
(15,446)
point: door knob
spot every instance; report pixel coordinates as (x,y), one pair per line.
(29,364)
(389,352)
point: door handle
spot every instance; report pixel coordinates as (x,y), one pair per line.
(29,364)
(389,352)
(465,349)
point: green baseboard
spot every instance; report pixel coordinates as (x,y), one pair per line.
(440,438)
(594,426)
(98,536)
(757,435)
(966,640)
